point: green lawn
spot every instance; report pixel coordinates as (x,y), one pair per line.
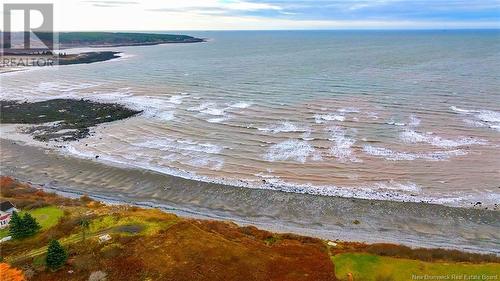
(47,217)
(122,224)
(4,232)
(369,267)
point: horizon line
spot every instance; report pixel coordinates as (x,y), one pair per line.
(278,29)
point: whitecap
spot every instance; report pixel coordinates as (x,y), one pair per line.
(474,123)
(392,122)
(171,145)
(176,99)
(407,156)
(209,108)
(294,150)
(349,110)
(283,127)
(218,119)
(459,110)
(484,118)
(489,116)
(495,127)
(342,145)
(387,153)
(414,121)
(213,111)
(307,136)
(241,105)
(201,106)
(321,118)
(410,136)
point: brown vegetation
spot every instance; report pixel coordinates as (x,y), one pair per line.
(183,249)
(148,244)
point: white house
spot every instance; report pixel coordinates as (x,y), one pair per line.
(6,209)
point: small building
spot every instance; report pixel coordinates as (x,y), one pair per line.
(6,210)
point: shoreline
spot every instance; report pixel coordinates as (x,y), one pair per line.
(20,132)
(201,40)
(87,57)
(411,224)
(225,249)
(91,56)
(479,200)
(23,132)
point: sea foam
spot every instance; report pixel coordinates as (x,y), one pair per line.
(342,145)
(410,136)
(241,105)
(294,150)
(184,145)
(284,127)
(483,118)
(391,155)
(321,118)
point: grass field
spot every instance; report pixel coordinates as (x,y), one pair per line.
(46,217)
(4,232)
(369,267)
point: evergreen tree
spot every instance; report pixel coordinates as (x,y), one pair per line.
(56,255)
(85,224)
(16,226)
(31,225)
(22,227)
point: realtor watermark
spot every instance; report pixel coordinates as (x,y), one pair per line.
(455,277)
(14,61)
(33,42)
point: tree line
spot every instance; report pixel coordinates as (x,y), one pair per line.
(23,226)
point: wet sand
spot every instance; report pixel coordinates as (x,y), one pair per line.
(413,224)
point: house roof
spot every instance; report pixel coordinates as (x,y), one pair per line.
(6,205)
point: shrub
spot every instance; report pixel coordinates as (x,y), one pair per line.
(35,205)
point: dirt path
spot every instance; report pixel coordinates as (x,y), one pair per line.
(65,241)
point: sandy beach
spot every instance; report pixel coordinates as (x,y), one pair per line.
(413,224)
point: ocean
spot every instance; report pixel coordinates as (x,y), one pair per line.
(393,115)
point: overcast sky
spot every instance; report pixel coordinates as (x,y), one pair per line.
(74,15)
